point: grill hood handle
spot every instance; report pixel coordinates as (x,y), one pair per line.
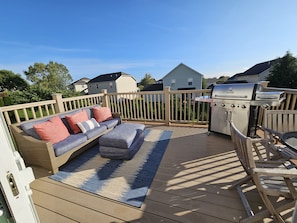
(228,96)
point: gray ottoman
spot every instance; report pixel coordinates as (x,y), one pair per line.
(122,142)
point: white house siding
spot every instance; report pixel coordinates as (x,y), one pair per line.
(126,84)
(180,75)
(249,78)
(264,75)
(80,87)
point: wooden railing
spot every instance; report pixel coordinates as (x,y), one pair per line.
(288,104)
(183,107)
(162,106)
(25,112)
(159,106)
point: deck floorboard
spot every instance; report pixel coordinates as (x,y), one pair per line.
(191,185)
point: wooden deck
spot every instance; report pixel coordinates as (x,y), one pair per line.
(191,185)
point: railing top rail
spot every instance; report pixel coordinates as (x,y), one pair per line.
(27,105)
(190,91)
(137,93)
(82,97)
(286,90)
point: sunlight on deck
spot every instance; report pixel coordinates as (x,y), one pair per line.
(191,185)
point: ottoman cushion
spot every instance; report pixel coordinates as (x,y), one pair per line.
(122,136)
(122,142)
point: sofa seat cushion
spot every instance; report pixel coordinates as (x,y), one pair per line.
(121,136)
(95,132)
(111,123)
(69,143)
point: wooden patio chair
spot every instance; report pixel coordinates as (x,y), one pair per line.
(275,124)
(271,178)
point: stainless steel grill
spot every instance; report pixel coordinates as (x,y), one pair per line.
(239,103)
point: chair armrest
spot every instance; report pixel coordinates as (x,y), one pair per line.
(276,172)
(272,134)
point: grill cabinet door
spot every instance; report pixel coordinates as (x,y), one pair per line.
(223,111)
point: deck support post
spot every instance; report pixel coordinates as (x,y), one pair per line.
(167,105)
(59,103)
(105,101)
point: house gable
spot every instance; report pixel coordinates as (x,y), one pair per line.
(183,77)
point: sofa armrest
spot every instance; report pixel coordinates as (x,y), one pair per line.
(34,151)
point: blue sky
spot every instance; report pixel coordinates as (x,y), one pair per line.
(93,37)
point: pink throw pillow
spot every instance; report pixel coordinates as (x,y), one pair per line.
(72,120)
(52,130)
(102,114)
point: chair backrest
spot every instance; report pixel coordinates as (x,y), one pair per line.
(280,120)
(243,147)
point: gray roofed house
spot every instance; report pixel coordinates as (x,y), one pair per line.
(117,82)
(183,77)
(256,73)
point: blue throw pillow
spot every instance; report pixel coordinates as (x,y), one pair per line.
(88,125)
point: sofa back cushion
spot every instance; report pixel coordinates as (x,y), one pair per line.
(52,130)
(72,120)
(102,114)
(27,126)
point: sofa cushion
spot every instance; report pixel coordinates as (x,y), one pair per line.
(95,132)
(80,116)
(52,130)
(88,125)
(102,113)
(121,136)
(69,143)
(28,128)
(111,123)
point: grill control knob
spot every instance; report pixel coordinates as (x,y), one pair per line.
(233,106)
(243,106)
(223,105)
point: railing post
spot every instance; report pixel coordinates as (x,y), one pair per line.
(105,102)
(59,103)
(167,104)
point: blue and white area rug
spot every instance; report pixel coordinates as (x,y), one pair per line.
(125,181)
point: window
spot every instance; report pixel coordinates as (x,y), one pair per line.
(172,82)
(110,84)
(190,81)
(97,86)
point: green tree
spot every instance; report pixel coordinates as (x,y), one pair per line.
(10,81)
(148,79)
(52,76)
(284,72)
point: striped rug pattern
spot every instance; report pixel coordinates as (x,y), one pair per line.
(125,181)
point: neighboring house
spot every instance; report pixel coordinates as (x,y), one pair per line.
(118,82)
(258,72)
(80,85)
(183,77)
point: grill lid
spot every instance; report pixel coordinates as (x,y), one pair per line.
(236,91)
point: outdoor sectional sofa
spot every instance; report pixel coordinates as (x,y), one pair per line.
(51,156)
